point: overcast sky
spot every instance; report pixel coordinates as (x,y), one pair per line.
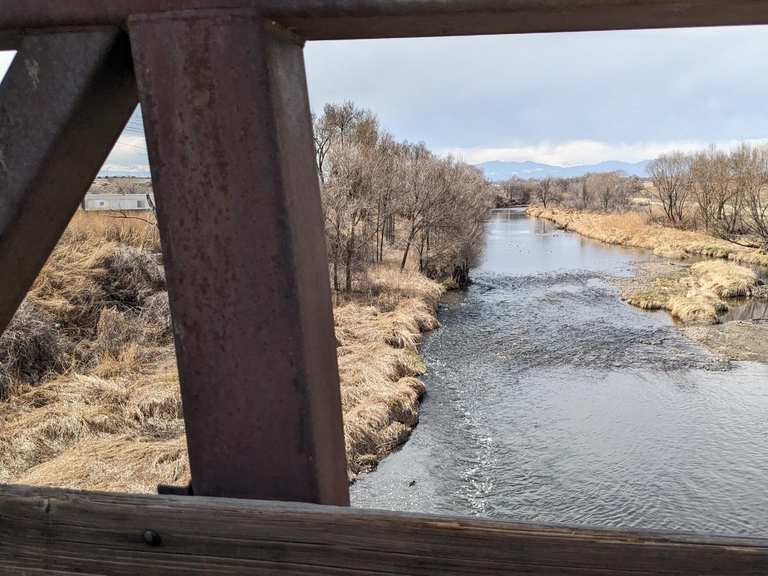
(557,98)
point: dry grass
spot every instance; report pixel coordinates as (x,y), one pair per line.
(634,230)
(725,279)
(694,296)
(697,306)
(377,341)
(93,396)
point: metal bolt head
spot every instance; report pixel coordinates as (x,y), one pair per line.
(152,538)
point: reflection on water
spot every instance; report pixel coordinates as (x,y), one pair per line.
(552,401)
(750,310)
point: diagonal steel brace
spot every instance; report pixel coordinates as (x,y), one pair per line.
(63,104)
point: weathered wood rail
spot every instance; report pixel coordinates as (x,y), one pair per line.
(59,532)
(226,113)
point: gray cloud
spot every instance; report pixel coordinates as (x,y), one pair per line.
(559,98)
(629,88)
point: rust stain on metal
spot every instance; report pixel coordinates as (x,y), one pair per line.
(240,220)
(63,104)
(33,71)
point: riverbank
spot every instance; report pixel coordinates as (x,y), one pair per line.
(552,401)
(633,230)
(89,382)
(697,295)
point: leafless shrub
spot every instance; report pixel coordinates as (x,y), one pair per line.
(728,189)
(545,192)
(129,275)
(374,188)
(671,178)
(30,348)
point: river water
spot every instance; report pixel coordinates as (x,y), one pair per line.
(551,401)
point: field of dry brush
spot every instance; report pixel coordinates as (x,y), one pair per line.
(90,392)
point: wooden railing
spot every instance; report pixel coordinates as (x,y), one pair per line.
(46,531)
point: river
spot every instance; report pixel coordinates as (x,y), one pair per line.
(551,401)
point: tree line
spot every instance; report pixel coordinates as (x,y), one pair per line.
(381,196)
(607,192)
(723,192)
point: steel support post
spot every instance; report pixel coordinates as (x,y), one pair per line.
(227,119)
(63,103)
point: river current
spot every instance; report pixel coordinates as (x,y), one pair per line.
(552,401)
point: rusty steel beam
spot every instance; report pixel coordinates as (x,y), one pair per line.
(355,19)
(339,19)
(227,118)
(63,104)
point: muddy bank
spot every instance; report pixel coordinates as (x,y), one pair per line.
(699,295)
(738,341)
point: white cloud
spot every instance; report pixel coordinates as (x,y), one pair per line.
(130,144)
(125,169)
(128,157)
(579,152)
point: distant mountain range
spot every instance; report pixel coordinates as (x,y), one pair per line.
(497,170)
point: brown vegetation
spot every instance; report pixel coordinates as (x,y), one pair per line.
(88,368)
(635,230)
(694,295)
(725,193)
(606,191)
(380,195)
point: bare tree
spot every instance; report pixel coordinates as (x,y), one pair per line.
(711,186)
(670,174)
(372,185)
(750,179)
(730,191)
(515,192)
(545,191)
(417,193)
(323,133)
(584,198)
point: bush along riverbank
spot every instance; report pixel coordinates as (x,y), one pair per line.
(697,295)
(90,391)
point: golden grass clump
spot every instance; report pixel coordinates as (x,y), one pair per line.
(725,279)
(695,295)
(379,363)
(115,464)
(697,306)
(657,294)
(387,286)
(93,399)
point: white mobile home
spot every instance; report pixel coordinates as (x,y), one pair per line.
(118,202)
